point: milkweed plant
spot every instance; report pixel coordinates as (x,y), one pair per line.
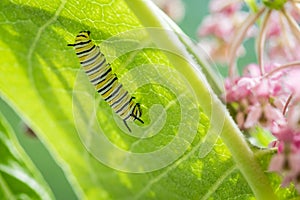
(241,141)
(265,96)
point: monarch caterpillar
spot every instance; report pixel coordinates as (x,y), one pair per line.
(106,83)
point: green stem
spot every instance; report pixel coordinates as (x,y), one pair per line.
(150,16)
(6,192)
(214,79)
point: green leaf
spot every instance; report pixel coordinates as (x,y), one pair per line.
(19,179)
(41,78)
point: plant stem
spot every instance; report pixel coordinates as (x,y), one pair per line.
(150,16)
(261,42)
(238,40)
(290,65)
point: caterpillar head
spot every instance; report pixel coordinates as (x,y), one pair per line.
(83,36)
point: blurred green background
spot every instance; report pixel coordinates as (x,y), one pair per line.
(52,173)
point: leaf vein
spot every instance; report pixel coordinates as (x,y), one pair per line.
(171,167)
(221,179)
(38,36)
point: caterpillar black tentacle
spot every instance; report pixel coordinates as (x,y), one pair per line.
(106,83)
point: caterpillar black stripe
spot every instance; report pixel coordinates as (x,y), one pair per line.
(105,82)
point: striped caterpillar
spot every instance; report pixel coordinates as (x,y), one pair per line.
(106,83)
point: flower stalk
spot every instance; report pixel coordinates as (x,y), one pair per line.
(261,42)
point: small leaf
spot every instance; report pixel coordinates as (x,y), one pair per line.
(19,179)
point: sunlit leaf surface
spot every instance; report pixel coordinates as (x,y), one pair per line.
(41,77)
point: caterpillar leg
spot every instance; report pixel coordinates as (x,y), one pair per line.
(136,118)
(127,125)
(140,120)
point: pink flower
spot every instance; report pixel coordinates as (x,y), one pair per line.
(292,82)
(236,91)
(254,115)
(240,119)
(267,88)
(282,49)
(217,6)
(254,96)
(287,166)
(220,27)
(264,115)
(287,161)
(291,8)
(284,134)
(293,173)
(277,163)
(282,44)
(218,49)
(274,28)
(288,138)
(251,70)
(293,117)
(273,115)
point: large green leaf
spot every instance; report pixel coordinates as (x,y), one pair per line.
(41,79)
(18,177)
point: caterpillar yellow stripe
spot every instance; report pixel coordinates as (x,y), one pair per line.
(106,83)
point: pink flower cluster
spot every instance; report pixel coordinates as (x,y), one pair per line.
(267,94)
(218,29)
(257,100)
(282,45)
